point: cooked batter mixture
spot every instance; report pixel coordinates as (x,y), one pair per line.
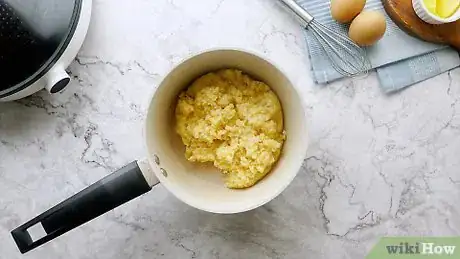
(233,121)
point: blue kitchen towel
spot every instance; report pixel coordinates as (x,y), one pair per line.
(401,60)
(404,73)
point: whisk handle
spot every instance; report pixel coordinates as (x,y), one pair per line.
(301,13)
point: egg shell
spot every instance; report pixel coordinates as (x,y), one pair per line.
(367,28)
(345,11)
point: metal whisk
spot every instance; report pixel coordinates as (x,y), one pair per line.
(346,57)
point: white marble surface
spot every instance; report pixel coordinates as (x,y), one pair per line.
(377,165)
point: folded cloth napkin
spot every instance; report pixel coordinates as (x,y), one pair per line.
(404,73)
(401,60)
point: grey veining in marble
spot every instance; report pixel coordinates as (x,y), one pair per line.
(377,165)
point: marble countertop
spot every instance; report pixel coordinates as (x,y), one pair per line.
(378,165)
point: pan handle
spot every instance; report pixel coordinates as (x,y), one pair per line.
(112,191)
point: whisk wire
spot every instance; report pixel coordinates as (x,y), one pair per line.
(324,42)
(344,67)
(346,57)
(342,37)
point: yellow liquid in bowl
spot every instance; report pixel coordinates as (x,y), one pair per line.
(442,8)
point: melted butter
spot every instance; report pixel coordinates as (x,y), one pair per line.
(442,8)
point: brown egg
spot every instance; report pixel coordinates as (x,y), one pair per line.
(345,11)
(367,28)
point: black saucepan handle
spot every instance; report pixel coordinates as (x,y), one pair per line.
(101,197)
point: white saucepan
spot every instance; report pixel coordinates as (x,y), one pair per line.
(38,41)
(165,162)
